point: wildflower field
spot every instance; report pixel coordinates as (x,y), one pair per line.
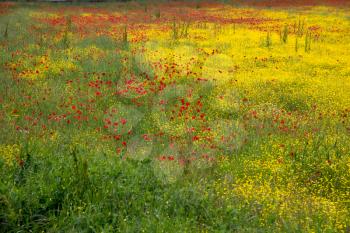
(175,117)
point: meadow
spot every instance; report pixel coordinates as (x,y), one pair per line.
(175,117)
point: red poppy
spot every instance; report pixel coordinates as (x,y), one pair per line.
(182,101)
(195,138)
(21,162)
(146,137)
(123,121)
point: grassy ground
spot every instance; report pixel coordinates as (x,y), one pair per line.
(174,117)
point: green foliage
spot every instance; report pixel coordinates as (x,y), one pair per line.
(268,40)
(125,34)
(180,29)
(307,45)
(6,31)
(157,13)
(284,34)
(299,28)
(68,29)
